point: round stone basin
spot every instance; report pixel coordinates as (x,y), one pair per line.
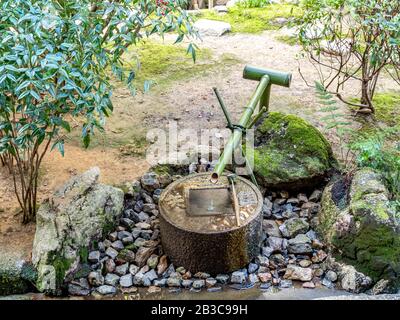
(199,228)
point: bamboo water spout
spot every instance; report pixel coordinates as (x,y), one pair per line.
(260,97)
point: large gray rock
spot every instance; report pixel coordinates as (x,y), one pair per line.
(212,28)
(360,227)
(78,213)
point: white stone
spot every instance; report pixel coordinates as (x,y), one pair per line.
(212,28)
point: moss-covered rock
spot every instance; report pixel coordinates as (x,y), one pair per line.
(291,153)
(80,212)
(16,275)
(365,232)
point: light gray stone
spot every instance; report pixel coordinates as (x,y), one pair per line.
(72,218)
(126,281)
(211,27)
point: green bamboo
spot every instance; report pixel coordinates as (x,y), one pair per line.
(236,137)
(276,77)
(223,107)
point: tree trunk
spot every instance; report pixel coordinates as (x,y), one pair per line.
(366,96)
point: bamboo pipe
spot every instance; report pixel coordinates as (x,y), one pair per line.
(236,137)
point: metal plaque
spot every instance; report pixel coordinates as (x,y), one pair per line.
(209,201)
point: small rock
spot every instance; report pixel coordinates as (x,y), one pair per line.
(125,222)
(187,283)
(309,285)
(126,281)
(253,267)
(162,265)
(170,270)
(327,283)
(138,278)
(154,289)
(198,284)
(152,262)
(301,244)
(238,277)
(286,284)
(160,283)
(210,282)
(94,256)
(202,275)
(311,234)
(150,181)
(150,276)
(142,255)
(253,278)
(123,234)
(318,272)
(262,261)
(353,281)
(294,226)
(135,233)
(381,287)
(133,269)
(113,236)
(316,196)
(267,251)
(276,244)
(122,269)
(127,256)
(187,275)
(112,253)
(106,290)
(316,244)
(221,9)
(319,256)
(265,277)
(95,279)
(111,279)
(181,270)
(174,282)
(331,276)
(305,263)
(127,240)
(143,225)
(76,290)
(271,228)
(302,198)
(222,278)
(294,272)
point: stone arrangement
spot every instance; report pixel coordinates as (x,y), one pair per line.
(132,256)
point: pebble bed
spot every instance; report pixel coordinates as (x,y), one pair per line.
(132,255)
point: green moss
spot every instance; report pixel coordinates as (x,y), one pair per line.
(379,209)
(161,63)
(375,250)
(291,149)
(388,108)
(327,215)
(12,282)
(387,112)
(84,254)
(161,169)
(61,266)
(254,20)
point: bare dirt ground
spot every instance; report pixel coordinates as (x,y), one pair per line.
(190,102)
